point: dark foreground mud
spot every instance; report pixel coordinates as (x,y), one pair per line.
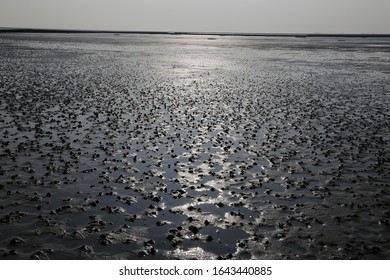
(131,146)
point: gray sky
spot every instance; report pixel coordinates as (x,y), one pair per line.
(284,16)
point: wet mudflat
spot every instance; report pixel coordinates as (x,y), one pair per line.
(182,147)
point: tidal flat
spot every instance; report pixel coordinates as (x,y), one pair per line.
(194,147)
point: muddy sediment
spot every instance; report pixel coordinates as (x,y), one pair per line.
(180,147)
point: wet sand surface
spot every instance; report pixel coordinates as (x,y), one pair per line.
(191,147)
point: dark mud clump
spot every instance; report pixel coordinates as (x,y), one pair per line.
(180,147)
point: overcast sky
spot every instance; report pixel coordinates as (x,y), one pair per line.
(274,16)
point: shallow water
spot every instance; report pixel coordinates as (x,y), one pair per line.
(137,146)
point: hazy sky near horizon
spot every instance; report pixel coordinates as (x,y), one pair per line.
(258,16)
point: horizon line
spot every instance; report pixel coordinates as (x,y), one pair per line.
(266,34)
